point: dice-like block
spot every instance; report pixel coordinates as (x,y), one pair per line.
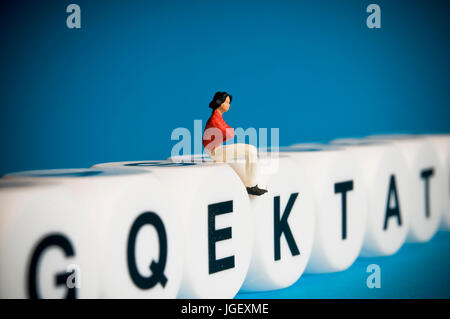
(213,212)
(45,246)
(284,224)
(387,181)
(340,204)
(441,145)
(134,237)
(427,182)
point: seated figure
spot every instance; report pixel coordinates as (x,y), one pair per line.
(217,132)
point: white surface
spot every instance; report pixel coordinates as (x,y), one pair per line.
(380,163)
(441,144)
(111,200)
(420,155)
(193,187)
(31,212)
(325,166)
(283,180)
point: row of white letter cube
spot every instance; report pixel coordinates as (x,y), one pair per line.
(186,227)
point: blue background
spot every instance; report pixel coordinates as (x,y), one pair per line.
(116,88)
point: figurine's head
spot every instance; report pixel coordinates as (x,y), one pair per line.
(221,101)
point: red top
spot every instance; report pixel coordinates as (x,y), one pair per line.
(210,138)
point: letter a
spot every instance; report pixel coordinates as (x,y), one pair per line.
(374,280)
(74,19)
(374,20)
(392,210)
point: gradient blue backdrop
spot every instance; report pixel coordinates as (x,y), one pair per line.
(116,88)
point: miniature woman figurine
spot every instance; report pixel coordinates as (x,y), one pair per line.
(217,132)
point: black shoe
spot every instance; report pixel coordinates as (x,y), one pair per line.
(255,190)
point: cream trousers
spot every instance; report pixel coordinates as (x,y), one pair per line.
(230,152)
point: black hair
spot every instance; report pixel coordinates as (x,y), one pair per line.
(218,99)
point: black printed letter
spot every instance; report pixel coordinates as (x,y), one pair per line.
(343,188)
(216,265)
(281,226)
(157,268)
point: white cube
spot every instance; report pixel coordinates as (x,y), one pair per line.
(427,183)
(212,208)
(341,205)
(45,243)
(134,236)
(386,177)
(441,144)
(284,224)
